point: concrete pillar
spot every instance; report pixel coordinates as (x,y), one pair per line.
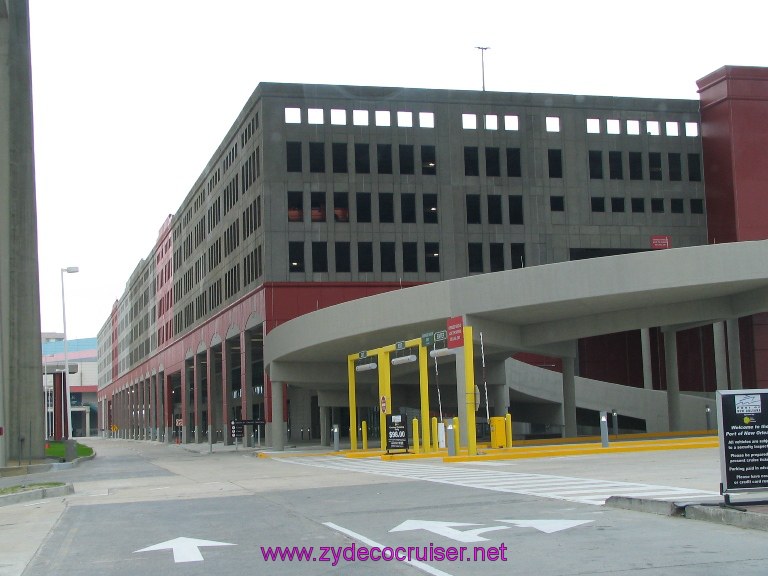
(167,407)
(246,387)
(277,425)
(569,398)
(645,341)
(186,425)
(197,400)
(325,437)
(721,360)
(673,383)
(152,408)
(227,413)
(734,353)
(499,396)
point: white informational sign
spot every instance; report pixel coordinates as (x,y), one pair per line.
(742,424)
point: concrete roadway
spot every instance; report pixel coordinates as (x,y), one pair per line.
(136,495)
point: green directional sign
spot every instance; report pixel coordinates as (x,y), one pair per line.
(362,355)
(427,339)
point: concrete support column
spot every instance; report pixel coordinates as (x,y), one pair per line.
(645,341)
(569,398)
(197,382)
(325,416)
(145,434)
(167,407)
(152,408)
(226,394)
(209,355)
(499,396)
(246,388)
(277,425)
(673,383)
(734,353)
(185,423)
(721,360)
(159,407)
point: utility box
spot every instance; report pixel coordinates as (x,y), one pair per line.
(498,432)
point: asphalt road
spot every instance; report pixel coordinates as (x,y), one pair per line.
(135,501)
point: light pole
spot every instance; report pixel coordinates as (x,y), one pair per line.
(482,61)
(68,415)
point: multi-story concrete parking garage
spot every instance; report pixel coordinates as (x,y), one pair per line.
(323,194)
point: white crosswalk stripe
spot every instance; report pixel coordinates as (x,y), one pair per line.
(582,490)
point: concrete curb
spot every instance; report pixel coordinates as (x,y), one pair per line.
(660,507)
(36,494)
(37,468)
(729,516)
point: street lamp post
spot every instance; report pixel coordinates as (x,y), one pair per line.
(68,415)
(482,61)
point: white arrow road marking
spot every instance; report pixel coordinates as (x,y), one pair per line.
(547,526)
(446,529)
(184,549)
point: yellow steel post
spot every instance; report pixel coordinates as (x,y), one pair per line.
(456,433)
(384,391)
(416,436)
(469,382)
(365,435)
(352,402)
(424,392)
(434,434)
(508,426)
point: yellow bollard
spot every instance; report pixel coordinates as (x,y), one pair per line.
(434,434)
(456,434)
(416,436)
(508,426)
(365,435)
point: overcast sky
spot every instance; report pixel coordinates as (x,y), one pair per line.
(131,99)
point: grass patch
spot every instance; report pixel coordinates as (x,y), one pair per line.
(55,449)
(27,487)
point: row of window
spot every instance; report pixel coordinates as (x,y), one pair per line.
(407,253)
(638,167)
(636,205)
(363,212)
(469,121)
(407,161)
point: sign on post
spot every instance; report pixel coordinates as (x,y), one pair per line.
(397,432)
(742,417)
(455,329)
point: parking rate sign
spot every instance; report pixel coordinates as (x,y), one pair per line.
(743,430)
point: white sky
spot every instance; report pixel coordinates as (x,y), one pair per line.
(131,99)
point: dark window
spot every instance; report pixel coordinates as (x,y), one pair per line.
(471,161)
(319,257)
(318,206)
(555,159)
(365,256)
(697,206)
(675,167)
(410,257)
(473,209)
(406,159)
(431,257)
(295,206)
(514,167)
(362,159)
(657,205)
(384,158)
(475,256)
(430,208)
(615,167)
(694,167)
(293,156)
(386,207)
(428,160)
(617,204)
(363,201)
(638,205)
(492,163)
(654,165)
(342,257)
(516,210)
(339,150)
(340,207)
(408,208)
(494,209)
(316,157)
(676,206)
(596,164)
(635,166)
(497,256)
(296,256)
(518,255)
(387,257)
(598,204)
(557,203)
